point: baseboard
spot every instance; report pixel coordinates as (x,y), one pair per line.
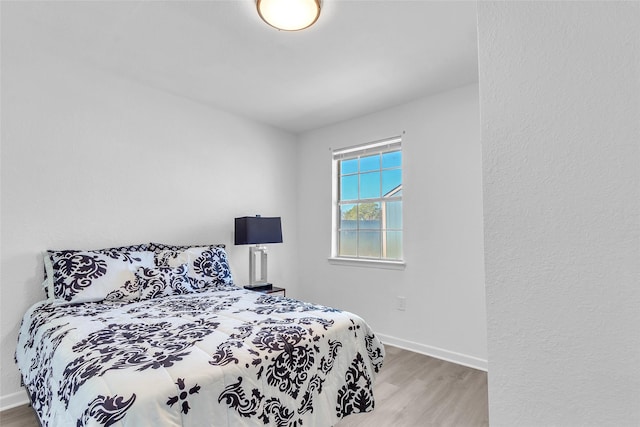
(438,353)
(12,400)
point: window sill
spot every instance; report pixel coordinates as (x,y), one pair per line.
(372,263)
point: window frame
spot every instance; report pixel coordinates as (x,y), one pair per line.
(353,152)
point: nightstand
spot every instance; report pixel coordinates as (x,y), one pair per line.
(274,290)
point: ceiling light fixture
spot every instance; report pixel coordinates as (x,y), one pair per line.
(289,15)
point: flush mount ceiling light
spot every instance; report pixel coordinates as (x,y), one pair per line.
(289,15)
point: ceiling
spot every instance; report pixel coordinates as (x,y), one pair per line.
(360,57)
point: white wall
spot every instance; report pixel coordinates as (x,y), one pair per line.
(92,160)
(442,197)
(560,103)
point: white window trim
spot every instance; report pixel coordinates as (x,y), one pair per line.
(392,144)
(389,144)
(366,262)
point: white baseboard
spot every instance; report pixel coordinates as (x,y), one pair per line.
(12,400)
(438,353)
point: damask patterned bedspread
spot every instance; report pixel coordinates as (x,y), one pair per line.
(228,357)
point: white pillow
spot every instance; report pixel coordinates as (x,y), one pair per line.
(85,276)
(207,265)
(161,282)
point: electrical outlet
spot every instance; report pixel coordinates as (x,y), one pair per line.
(402,303)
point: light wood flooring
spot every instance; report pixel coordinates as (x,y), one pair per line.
(414,390)
(411,390)
(22,416)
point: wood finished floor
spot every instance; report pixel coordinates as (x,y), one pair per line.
(416,390)
(411,390)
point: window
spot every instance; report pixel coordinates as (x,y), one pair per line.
(368,208)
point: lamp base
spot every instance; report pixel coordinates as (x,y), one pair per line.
(259,287)
(257,263)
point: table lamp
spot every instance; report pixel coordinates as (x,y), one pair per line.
(258,230)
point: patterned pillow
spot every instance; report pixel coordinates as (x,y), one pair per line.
(163,282)
(207,265)
(159,247)
(47,284)
(84,276)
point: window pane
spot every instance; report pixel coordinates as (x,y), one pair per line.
(393,215)
(370,163)
(348,216)
(392,159)
(348,166)
(394,244)
(369,215)
(348,243)
(391,179)
(369,244)
(349,187)
(370,185)
(369,202)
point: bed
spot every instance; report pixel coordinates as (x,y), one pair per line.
(159,335)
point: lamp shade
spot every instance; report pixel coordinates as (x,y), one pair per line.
(258,229)
(289,15)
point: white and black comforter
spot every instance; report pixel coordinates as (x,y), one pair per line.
(228,357)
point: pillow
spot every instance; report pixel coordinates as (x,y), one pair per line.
(47,284)
(159,247)
(161,282)
(86,276)
(206,265)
